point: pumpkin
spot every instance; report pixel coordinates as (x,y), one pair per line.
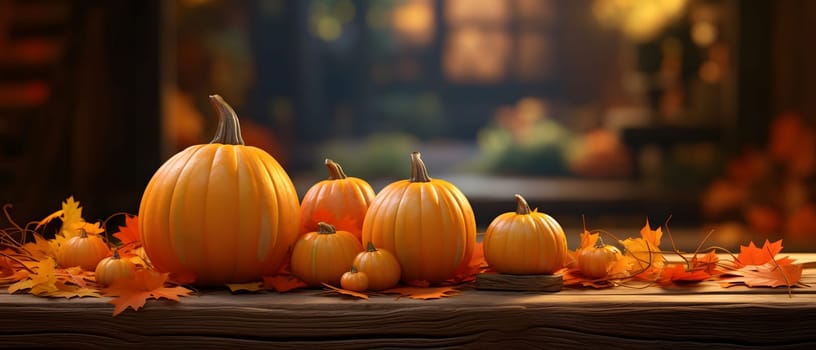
(594,262)
(426,223)
(380,266)
(345,198)
(525,242)
(222,212)
(84,251)
(113,268)
(354,280)
(323,256)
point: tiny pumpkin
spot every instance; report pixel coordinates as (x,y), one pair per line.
(113,268)
(380,266)
(354,280)
(323,256)
(434,248)
(84,251)
(595,261)
(525,242)
(346,198)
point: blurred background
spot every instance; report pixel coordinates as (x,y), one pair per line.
(615,110)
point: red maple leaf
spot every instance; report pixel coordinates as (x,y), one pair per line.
(283,283)
(130,232)
(707,263)
(678,273)
(753,255)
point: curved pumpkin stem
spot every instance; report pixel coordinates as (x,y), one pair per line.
(353,269)
(229,130)
(83,233)
(419,173)
(600,243)
(116,254)
(335,170)
(522,208)
(370,247)
(324,228)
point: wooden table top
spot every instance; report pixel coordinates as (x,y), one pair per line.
(682,317)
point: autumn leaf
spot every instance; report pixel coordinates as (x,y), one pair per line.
(646,258)
(423,293)
(72,291)
(753,255)
(677,273)
(573,277)
(341,291)
(476,265)
(588,240)
(40,249)
(42,281)
(10,270)
(130,232)
(248,287)
(770,274)
(144,284)
(48,219)
(72,220)
(283,283)
(651,236)
(707,263)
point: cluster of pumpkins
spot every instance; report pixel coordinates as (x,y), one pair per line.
(225,212)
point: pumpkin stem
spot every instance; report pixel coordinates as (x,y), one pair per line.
(83,233)
(353,269)
(335,171)
(599,243)
(325,228)
(522,208)
(229,130)
(419,173)
(116,254)
(370,247)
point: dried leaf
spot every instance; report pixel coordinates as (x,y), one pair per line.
(144,284)
(283,283)
(249,287)
(651,236)
(646,258)
(781,273)
(130,232)
(707,263)
(678,273)
(48,219)
(40,249)
(72,291)
(477,264)
(43,281)
(346,292)
(588,240)
(423,293)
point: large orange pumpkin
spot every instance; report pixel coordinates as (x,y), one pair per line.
(344,198)
(525,242)
(221,212)
(426,223)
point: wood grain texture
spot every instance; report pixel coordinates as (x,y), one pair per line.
(525,283)
(705,316)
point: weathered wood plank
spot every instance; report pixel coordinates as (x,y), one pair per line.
(527,283)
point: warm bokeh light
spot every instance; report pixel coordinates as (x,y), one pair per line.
(640,20)
(414,22)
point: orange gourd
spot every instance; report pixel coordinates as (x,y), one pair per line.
(84,251)
(426,223)
(525,242)
(221,212)
(345,198)
(595,262)
(354,280)
(113,268)
(324,255)
(380,266)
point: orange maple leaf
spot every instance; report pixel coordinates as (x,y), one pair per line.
(588,240)
(423,293)
(248,287)
(772,274)
(477,264)
(707,263)
(753,255)
(678,273)
(341,291)
(130,232)
(145,284)
(651,236)
(283,283)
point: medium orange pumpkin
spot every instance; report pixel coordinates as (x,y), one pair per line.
(426,223)
(84,251)
(380,266)
(222,212)
(354,280)
(525,242)
(595,262)
(345,198)
(113,268)
(323,256)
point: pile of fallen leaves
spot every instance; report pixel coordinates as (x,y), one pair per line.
(644,262)
(28,261)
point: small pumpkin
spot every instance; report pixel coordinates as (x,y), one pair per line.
(84,251)
(428,224)
(345,198)
(525,242)
(113,268)
(324,255)
(354,280)
(223,212)
(380,266)
(595,262)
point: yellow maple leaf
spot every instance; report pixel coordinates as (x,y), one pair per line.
(646,258)
(42,282)
(40,249)
(68,291)
(651,236)
(72,220)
